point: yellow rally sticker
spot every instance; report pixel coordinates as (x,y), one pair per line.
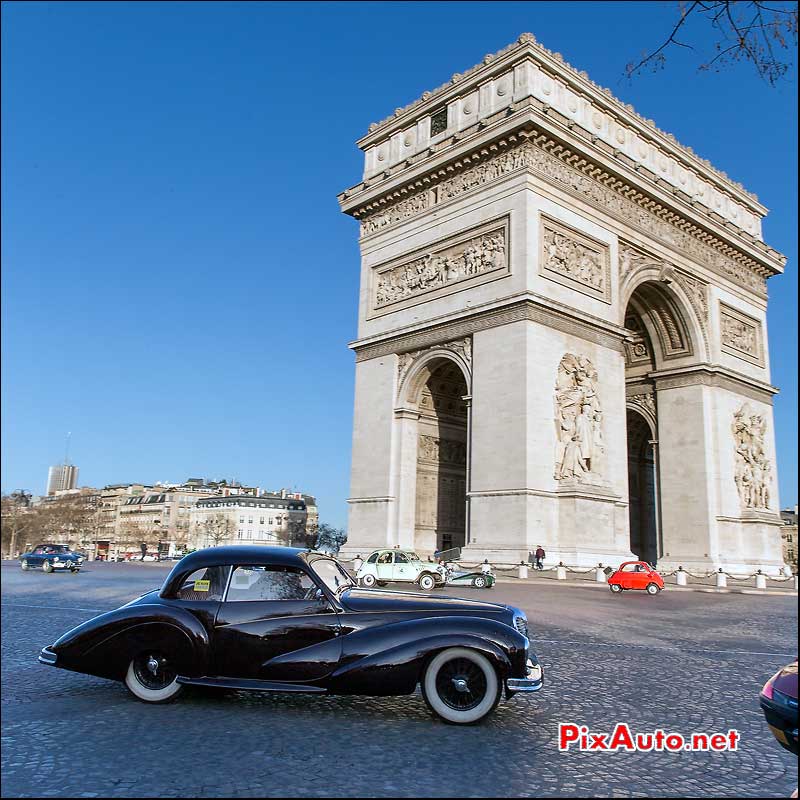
(202,586)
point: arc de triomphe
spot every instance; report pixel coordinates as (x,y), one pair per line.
(562,332)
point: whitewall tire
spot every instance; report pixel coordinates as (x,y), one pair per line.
(368,580)
(461,686)
(652,588)
(427,582)
(150,679)
(47,567)
(25,564)
(615,588)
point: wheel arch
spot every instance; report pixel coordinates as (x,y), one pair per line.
(105,645)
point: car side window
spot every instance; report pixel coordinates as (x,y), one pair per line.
(629,568)
(204,584)
(38,551)
(270,583)
(385,558)
(400,558)
(372,559)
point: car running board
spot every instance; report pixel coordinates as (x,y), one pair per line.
(250,684)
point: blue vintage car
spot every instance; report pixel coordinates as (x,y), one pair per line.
(51,557)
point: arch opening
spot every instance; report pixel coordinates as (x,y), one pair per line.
(442,449)
(642,488)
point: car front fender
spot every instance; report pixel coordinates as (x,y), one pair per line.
(391,659)
(105,645)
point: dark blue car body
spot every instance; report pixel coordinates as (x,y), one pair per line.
(51,557)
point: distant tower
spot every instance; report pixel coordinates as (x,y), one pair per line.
(63,476)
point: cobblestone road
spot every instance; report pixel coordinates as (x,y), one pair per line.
(681,661)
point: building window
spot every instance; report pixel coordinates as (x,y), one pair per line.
(249,520)
(261,520)
(439,121)
(241,519)
(270,520)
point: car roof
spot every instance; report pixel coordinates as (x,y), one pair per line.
(238,554)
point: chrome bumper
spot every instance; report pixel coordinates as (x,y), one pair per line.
(47,656)
(532,683)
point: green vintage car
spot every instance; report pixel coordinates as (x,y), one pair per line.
(478,580)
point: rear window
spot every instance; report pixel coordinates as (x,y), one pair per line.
(204,584)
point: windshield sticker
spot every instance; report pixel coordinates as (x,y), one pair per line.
(202,586)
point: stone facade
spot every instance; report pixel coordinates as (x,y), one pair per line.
(543,280)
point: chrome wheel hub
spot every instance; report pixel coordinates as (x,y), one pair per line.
(461,685)
(152,665)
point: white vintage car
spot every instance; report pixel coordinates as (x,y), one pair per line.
(401,566)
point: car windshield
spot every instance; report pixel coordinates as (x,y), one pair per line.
(331,573)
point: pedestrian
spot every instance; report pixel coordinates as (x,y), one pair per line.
(357,563)
(539,555)
(486,567)
(143,548)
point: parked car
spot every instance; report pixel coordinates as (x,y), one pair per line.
(476,579)
(51,557)
(280,619)
(635,575)
(779,703)
(399,566)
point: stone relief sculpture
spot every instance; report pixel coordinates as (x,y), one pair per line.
(442,267)
(574,256)
(579,420)
(530,156)
(444,451)
(738,335)
(753,468)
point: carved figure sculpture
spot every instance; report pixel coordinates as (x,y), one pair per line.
(752,465)
(578,418)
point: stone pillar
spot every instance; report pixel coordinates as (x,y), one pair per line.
(722,580)
(680,577)
(600,575)
(404,473)
(686,477)
(761,581)
(523,571)
(372,516)
(561,573)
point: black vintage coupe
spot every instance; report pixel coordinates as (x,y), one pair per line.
(287,620)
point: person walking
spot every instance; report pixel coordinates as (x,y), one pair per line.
(539,556)
(143,548)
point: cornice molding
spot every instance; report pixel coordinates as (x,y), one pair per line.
(530,150)
(553,65)
(712,375)
(458,329)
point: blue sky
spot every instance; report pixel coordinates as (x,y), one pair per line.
(179,286)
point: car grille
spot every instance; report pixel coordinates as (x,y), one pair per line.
(521,624)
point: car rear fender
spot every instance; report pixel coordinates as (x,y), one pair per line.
(105,645)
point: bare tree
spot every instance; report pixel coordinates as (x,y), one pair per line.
(17,519)
(329,538)
(744,30)
(217,528)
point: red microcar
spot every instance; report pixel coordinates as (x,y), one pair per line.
(636,575)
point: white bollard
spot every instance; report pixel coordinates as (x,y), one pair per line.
(523,571)
(680,577)
(761,581)
(795,582)
(600,575)
(722,580)
(561,573)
